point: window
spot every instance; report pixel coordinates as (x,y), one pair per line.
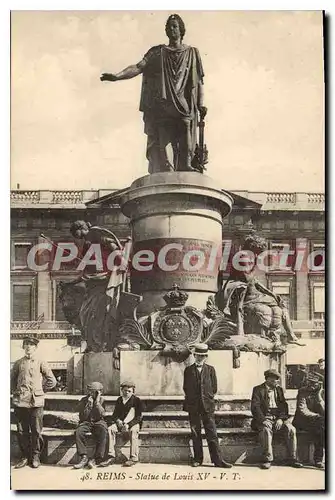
(318,299)
(57,308)
(296,375)
(22,302)
(284,287)
(281,260)
(283,290)
(319,255)
(20,255)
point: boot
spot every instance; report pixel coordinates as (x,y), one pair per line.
(83,462)
(21,463)
(35,463)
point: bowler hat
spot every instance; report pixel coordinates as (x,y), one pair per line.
(95,386)
(271,373)
(201,349)
(127,383)
(30,340)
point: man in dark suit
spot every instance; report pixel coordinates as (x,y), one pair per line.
(270,415)
(200,387)
(310,414)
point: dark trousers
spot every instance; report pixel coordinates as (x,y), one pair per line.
(29,423)
(316,428)
(211,436)
(99,432)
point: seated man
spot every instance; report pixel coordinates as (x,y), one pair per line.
(126,423)
(91,419)
(310,414)
(270,414)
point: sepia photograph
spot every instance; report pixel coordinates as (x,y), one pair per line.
(167,253)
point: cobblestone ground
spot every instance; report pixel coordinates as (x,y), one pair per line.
(175,477)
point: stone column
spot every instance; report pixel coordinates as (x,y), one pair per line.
(302,285)
(44,292)
(172,216)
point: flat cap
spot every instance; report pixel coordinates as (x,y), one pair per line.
(321,360)
(127,383)
(29,339)
(95,386)
(271,373)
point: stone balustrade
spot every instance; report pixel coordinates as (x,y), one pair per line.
(65,198)
(25,196)
(281,197)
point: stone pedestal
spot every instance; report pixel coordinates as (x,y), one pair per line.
(93,367)
(156,375)
(176,220)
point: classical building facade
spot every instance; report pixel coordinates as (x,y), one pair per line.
(294,221)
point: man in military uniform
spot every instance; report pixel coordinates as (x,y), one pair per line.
(28,375)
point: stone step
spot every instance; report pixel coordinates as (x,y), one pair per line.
(68,403)
(168,419)
(166,446)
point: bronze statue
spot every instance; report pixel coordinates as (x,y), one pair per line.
(171,98)
(91,300)
(254,308)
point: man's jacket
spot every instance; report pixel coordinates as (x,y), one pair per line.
(91,411)
(200,388)
(122,410)
(310,408)
(30,378)
(260,405)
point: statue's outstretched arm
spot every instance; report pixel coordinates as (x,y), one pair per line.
(127,73)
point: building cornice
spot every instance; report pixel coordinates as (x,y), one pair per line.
(85,199)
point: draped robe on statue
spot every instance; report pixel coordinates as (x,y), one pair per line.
(98,310)
(169,100)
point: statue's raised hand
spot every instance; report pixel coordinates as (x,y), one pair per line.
(109,77)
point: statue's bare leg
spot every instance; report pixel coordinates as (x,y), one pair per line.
(185,145)
(291,336)
(166,153)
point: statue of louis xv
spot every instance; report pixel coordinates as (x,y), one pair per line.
(171,99)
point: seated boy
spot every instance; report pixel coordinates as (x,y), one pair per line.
(91,419)
(126,423)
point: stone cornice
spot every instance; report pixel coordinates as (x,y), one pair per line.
(65,199)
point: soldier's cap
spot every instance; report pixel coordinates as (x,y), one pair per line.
(29,339)
(271,373)
(128,383)
(321,360)
(201,349)
(314,377)
(95,386)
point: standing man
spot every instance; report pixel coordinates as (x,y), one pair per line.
(91,410)
(28,401)
(310,414)
(200,387)
(270,415)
